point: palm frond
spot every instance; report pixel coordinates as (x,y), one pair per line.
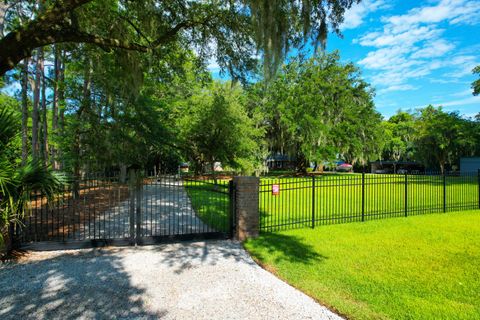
(8,126)
(35,177)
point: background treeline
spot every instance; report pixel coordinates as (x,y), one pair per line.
(431,136)
(85,110)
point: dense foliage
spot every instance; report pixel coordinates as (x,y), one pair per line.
(431,136)
(476,83)
(18,181)
(215,127)
(321,109)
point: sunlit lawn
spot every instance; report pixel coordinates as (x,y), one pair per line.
(422,267)
(210,202)
(338,198)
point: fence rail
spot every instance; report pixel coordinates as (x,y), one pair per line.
(330,199)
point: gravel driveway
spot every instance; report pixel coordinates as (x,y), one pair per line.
(201,280)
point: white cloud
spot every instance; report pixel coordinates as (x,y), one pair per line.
(463,66)
(461,102)
(453,11)
(436,48)
(403,87)
(463,93)
(404,38)
(359,11)
(411,45)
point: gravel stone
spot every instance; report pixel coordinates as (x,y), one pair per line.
(196,280)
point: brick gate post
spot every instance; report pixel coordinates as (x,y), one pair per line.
(247,214)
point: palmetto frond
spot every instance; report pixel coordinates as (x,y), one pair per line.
(18,183)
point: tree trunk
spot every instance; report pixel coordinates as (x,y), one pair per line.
(61,103)
(56,71)
(301,163)
(3,11)
(44,120)
(123,173)
(213,172)
(24,112)
(36,101)
(84,105)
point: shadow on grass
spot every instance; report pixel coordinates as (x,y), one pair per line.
(71,286)
(283,247)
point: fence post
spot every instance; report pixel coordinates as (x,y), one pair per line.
(444,192)
(363,196)
(131,189)
(313,201)
(247,213)
(478,188)
(406,194)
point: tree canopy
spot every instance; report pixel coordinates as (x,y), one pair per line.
(229,30)
(476,83)
(321,109)
(431,136)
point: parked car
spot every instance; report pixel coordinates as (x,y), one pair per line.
(344,167)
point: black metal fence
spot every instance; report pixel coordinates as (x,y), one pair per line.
(137,210)
(336,198)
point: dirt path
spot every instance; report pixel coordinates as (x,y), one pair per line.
(202,280)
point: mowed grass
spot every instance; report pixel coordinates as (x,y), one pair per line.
(338,198)
(422,267)
(210,202)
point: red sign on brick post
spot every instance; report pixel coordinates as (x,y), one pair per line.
(275,189)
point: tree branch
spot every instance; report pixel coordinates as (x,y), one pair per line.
(171,33)
(78,36)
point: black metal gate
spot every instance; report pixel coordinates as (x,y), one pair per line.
(104,211)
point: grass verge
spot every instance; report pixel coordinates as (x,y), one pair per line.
(210,202)
(422,267)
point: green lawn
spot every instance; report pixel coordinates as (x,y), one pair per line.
(338,198)
(422,267)
(210,202)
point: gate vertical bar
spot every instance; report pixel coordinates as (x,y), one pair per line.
(406,194)
(231,194)
(444,192)
(478,188)
(363,196)
(138,202)
(131,189)
(313,201)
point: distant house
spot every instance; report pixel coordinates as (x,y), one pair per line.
(184,167)
(280,162)
(396,167)
(469,165)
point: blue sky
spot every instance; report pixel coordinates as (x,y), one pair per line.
(414,53)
